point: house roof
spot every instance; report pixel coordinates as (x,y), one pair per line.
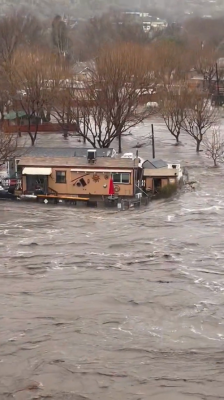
(105,162)
(82,152)
(57,152)
(83,66)
(13,115)
(161,172)
(154,164)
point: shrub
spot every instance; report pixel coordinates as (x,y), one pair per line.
(168,190)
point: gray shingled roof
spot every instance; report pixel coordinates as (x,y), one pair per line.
(73,162)
(82,152)
(154,164)
(60,152)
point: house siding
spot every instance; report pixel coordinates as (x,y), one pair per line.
(97,183)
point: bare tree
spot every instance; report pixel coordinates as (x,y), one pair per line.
(8,147)
(65,98)
(28,75)
(66,106)
(16,31)
(171,62)
(206,30)
(214,146)
(200,116)
(5,97)
(205,63)
(123,74)
(173,111)
(107,105)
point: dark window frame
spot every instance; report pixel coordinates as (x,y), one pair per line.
(60,174)
(121,178)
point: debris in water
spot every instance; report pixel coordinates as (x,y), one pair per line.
(31,386)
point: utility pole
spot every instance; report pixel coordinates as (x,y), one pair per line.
(153,142)
(217,83)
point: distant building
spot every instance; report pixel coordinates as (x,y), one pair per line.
(147,21)
(83,70)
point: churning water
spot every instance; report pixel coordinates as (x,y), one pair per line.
(104,305)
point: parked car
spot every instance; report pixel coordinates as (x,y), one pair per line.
(5,194)
(10,182)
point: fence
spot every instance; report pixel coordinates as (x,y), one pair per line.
(42,128)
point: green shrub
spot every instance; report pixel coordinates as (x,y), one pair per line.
(168,190)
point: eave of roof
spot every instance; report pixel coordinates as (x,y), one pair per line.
(105,162)
(160,172)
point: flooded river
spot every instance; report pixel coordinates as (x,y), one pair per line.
(105,305)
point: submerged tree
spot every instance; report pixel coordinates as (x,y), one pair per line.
(107,104)
(28,75)
(123,74)
(214,146)
(173,111)
(8,146)
(200,116)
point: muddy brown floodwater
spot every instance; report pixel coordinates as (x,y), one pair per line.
(102,305)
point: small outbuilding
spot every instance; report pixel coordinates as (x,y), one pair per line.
(157,173)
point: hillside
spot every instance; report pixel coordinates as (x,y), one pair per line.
(174,9)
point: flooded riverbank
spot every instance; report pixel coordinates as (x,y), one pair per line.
(102,305)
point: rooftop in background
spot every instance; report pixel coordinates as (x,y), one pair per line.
(154,164)
(13,115)
(82,152)
(81,67)
(82,162)
(57,152)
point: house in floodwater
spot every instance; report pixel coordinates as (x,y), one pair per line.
(86,176)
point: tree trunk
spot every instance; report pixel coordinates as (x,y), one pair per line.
(43,116)
(198,146)
(119,144)
(48,116)
(32,138)
(36,130)
(178,134)
(31,135)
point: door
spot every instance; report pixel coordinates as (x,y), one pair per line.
(157,184)
(36,183)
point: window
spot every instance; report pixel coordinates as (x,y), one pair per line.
(121,177)
(60,176)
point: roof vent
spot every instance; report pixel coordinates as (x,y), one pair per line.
(91,155)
